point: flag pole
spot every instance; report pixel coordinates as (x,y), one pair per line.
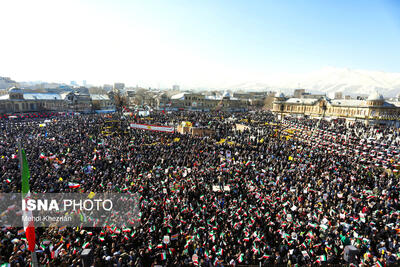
(33,253)
(34,259)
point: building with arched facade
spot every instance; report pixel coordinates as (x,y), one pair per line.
(202,102)
(18,101)
(375,109)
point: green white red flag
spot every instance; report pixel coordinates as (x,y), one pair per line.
(27,216)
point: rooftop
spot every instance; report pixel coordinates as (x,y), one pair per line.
(42,96)
(180,96)
(305,101)
(375,96)
(347,102)
(99,97)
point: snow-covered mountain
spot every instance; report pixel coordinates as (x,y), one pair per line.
(330,80)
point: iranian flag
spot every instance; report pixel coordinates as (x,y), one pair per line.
(206,254)
(241,258)
(124,189)
(313,225)
(163,256)
(27,216)
(73,185)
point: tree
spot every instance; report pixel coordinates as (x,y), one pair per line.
(119,99)
(268,102)
(95,105)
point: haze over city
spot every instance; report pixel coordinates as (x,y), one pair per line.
(204,44)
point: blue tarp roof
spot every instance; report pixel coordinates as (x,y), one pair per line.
(105,111)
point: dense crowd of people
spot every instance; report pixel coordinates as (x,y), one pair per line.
(274,191)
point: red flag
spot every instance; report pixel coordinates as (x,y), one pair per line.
(26,194)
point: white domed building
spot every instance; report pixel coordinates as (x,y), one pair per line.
(375,99)
(374,109)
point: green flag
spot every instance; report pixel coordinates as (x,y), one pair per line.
(27,216)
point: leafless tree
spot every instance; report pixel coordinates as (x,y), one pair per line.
(268,102)
(119,99)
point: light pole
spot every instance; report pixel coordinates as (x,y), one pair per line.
(324,107)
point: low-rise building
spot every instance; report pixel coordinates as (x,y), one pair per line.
(102,102)
(375,109)
(18,101)
(119,86)
(299,92)
(201,102)
(78,101)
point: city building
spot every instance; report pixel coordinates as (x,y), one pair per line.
(338,95)
(78,101)
(254,99)
(299,92)
(188,100)
(130,95)
(375,109)
(119,86)
(102,102)
(201,102)
(309,95)
(19,101)
(140,96)
(175,87)
(107,87)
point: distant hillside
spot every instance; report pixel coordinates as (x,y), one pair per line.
(330,80)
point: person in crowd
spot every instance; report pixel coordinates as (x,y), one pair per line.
(296,191)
